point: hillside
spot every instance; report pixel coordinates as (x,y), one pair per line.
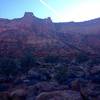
(43,60)
(49,37)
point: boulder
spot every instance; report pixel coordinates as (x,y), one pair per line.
(95,69)
(90,91)
(19,94)
(44,87)
(4,96)
(60,95)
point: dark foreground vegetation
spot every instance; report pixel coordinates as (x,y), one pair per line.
(34,78)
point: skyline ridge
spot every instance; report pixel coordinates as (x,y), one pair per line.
(31,14)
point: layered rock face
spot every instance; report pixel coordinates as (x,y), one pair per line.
(43,60)
(58,38)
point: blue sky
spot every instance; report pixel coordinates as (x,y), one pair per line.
(58,10)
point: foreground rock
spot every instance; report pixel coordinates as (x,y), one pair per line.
(60,95)
(91,91)
(41,87)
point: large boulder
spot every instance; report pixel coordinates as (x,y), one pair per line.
(95,74)
(44,87)
(18,94)
(91,91)
(60,95)
(95,69)
(4,96)
(47,87)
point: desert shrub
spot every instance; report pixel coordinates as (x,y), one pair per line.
(81,58)
(61,74)
(8,66)
(27,61)
(95,61)
(52,59)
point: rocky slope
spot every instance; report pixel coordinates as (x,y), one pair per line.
(42,60)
